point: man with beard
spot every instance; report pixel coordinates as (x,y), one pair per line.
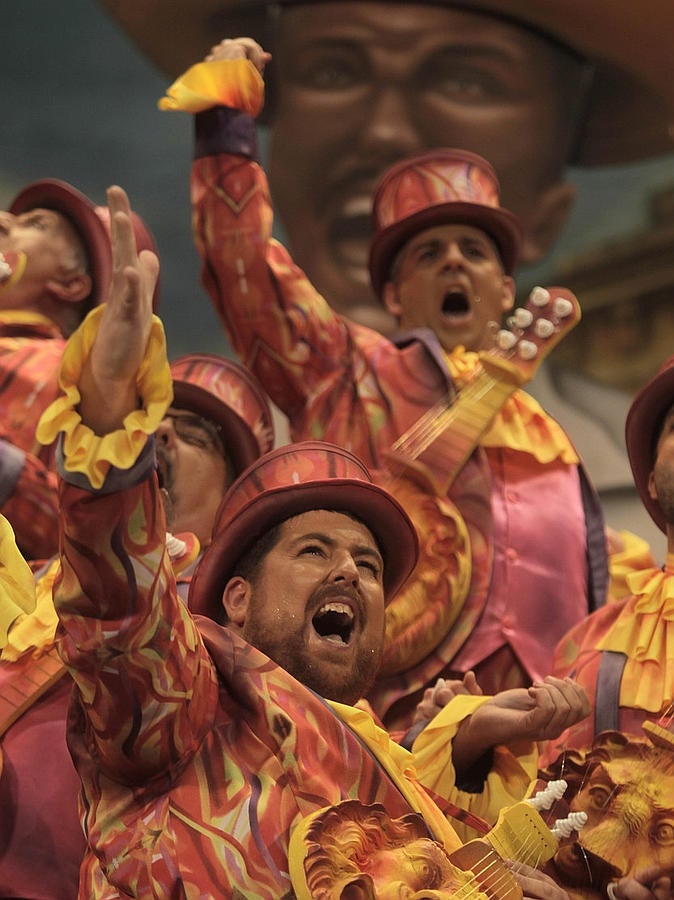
(60,243)
(218,424)
(620,654)
(198,753)
(441,261)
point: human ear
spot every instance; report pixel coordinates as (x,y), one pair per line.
(652,493)
(509,290)
(391,300)
(543,226)
(235,600)
(72,288)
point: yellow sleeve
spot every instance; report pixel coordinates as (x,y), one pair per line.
(514,767)
(17,585)
(86,452)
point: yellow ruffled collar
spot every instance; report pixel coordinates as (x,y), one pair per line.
(522,424)
(644,632)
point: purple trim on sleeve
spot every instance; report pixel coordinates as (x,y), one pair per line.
(116,479)
(12,460)
(224,130)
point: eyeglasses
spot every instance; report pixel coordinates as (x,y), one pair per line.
(197,431)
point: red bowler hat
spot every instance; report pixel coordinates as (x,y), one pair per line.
(440,187)
(291,480)
(225,393)
(642,430)
(92,224)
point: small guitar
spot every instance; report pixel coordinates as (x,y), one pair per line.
(444,437)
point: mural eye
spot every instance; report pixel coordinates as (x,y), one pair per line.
(664,833)
(600,797)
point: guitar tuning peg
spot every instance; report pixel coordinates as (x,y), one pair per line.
(564,828)
(523,317)
(505,340)
(539,296)
(544,328)
(562,307)
(549,795)
(527,350)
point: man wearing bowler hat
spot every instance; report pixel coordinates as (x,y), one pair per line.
(620,653)
(59,243)
(202,746)
(441,261)
(218,424)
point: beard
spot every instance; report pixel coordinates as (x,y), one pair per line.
(288,650)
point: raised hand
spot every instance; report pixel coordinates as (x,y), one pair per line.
(108,383)
(240,48)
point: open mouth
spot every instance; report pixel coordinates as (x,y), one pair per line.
(455,303)
(350,232)
(334,622)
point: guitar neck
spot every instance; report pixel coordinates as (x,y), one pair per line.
(29,679)
(445,441)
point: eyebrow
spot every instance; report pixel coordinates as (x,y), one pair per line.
(358,550)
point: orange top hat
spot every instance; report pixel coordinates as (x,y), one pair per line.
(92,224)
(642,430)
(291,480)
(438,188)
(225,393)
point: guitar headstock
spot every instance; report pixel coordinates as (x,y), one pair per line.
(533,330)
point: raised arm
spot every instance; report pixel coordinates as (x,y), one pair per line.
(146,685)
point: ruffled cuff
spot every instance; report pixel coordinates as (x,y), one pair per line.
(228,82)
(17,585)
(513,766)
(84,451)
(35,632)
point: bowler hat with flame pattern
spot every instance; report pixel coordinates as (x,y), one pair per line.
(291,480)
(226,394)
(441,187)
(92,224)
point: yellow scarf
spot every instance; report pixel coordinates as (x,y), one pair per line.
(522,424)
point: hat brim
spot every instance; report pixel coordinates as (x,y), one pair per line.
(240,443)
(64,198)
(630,99)
(642,427)
(394,533)
(500,224)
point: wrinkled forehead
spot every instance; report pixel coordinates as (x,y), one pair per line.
(326,522)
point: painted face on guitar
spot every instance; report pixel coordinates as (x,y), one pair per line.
(449,278)
(626,787)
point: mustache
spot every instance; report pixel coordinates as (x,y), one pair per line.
(327,593)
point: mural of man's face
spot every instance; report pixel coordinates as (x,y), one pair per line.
(359,85)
